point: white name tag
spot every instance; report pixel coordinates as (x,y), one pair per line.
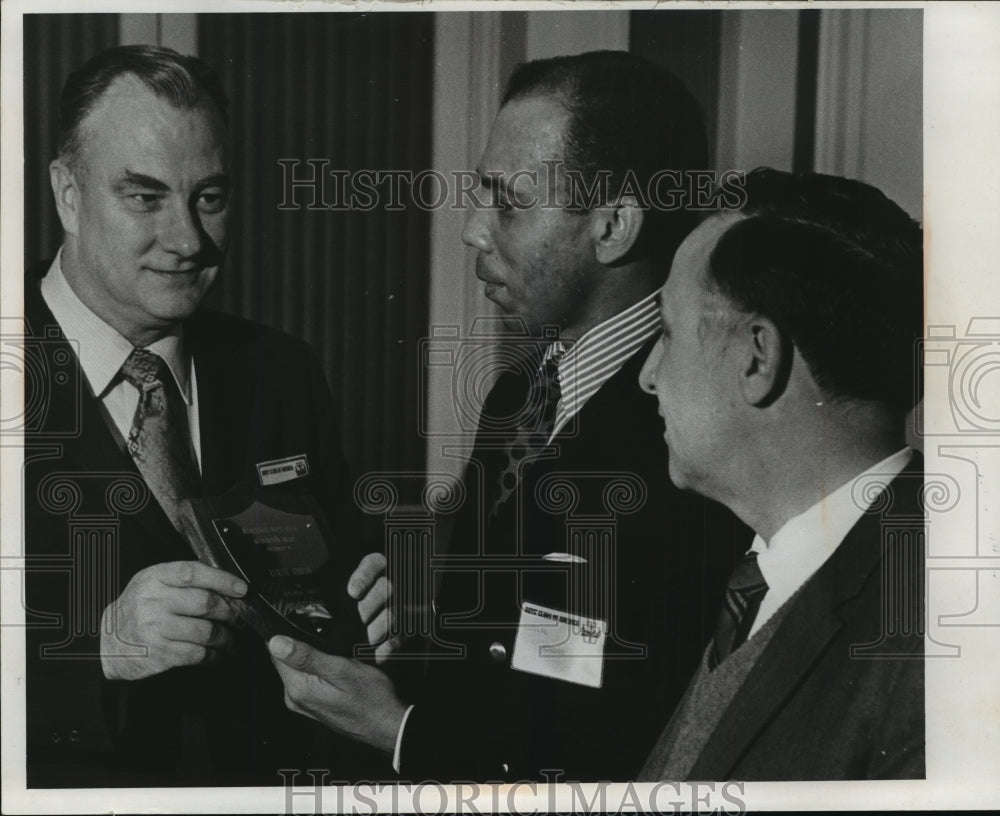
(560,645)
(283,470)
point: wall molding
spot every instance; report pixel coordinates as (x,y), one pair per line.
(551,33)
(757,94)
(840,92)
(177,31)
(469,67)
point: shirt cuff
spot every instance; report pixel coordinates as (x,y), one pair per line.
(399,740)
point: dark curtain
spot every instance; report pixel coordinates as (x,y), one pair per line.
(353,90)
(686,43)
(54,45)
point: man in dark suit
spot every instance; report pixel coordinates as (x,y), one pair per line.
(135,674)
(785,370)
(576,598)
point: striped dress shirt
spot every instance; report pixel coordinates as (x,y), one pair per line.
(592,360)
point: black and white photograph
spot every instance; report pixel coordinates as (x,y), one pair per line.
(499,407)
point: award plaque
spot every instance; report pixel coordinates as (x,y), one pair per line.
(280,545)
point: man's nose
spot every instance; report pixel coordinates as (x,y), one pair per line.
(182,231)
(476,232)
(647,377)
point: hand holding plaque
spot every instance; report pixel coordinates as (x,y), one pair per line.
(280,544)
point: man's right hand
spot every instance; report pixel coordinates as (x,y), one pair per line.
(370,587)
(173,614)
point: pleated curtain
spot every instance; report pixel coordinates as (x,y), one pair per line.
(54,45)
(353,90)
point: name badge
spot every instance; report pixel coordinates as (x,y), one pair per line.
(283,470)
(560,645)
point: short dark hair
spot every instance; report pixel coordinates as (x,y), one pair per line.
(625,114)
(839,268)
(184,81)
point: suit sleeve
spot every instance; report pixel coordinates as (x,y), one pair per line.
(442,743)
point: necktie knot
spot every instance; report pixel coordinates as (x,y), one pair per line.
(145,370)
(747,579)
(547,393)
(744,594)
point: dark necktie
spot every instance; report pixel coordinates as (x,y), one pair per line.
(159,440)
(533,432)
(743,597)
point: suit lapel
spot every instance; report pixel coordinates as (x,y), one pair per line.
(225,391)
(809,625)
(89,446)
(807,629)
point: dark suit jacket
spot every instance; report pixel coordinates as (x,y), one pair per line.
(838,692)
(661,555)
(262,396)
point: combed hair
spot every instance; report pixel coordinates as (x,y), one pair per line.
(184,81)
(625,113)
(839,268)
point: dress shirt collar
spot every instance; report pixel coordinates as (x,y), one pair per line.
(591,361)
(100,348)
(805,542)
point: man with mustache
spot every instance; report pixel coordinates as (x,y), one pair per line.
(566,628)
(135,674)
(786,366)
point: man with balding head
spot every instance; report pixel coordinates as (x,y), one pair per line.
(136,674)
(785,369)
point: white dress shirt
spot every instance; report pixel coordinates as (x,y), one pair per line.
(805,542)
(102,351)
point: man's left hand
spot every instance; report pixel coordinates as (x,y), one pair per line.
(343,694)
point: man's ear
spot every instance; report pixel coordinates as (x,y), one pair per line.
(66,190)
(616,229)
(768,357)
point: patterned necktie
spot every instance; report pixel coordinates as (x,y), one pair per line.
(159,440)
(743,597)
(533,432)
